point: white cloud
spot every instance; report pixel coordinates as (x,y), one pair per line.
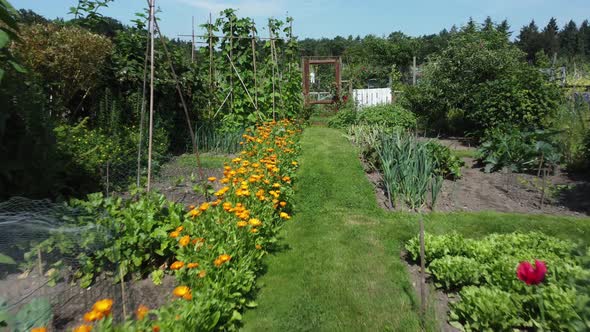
(245,7)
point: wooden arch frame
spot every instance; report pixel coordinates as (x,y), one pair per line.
(333,61)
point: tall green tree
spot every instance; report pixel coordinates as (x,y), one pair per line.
(568,39)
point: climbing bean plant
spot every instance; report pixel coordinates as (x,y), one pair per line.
(252,80)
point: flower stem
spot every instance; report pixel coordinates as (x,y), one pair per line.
(541,306)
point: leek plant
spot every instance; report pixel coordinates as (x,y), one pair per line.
(409,173)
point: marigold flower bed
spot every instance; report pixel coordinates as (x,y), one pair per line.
(220,244)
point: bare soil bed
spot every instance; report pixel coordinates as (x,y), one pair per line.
(504,192)
(177,180)
(69,301)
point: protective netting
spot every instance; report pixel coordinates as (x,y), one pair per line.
(42,247)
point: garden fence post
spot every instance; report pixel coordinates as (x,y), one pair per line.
(414,71)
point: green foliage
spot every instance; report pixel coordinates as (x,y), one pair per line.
(114,234)
(343,119)
(518,150)
(36,313)
(389,116)
(408,170)
(573,122)
(446,163)
(9,31)
(68,59)
(481,81)
(87,153)
(484,273)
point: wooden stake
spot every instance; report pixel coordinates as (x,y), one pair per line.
(123,296)
(273,69)
(210,63)
(143,104)
(231,56)
(422,268)
(254,65)
(151,123)
(39,262)
(183,102)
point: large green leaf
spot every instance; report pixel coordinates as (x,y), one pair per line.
(3,258)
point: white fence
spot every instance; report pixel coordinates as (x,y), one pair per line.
(371,97)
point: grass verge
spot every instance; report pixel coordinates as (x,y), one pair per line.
(341,268)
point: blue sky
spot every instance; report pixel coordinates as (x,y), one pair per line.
(329,18)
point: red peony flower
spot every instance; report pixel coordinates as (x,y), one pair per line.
(532,275)
(345,98)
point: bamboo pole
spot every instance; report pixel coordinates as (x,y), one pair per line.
(242,37)
(185,108)
(231,56)
(143,105)
(254,65)
(243,84)
(423,300)
(210,28)
(273,69)
(151,123)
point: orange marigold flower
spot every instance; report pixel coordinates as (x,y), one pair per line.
(195,213)
(184,241)
(181,291)
(103,306)
(188,296)
(284,215)
(242,223)
(254,230)
(174,234)
(255,222)
(83,328)
(192,265)
(92,316)
(202,274)
(204,206)
(222,259)
(179,228)
(212,179)
(155,328)
(176,265)
(141,312)
(258,247)
(283,204)
(39,329)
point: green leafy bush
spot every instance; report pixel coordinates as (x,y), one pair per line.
(484,273)
(446,163)
(343,119)
(115,234)
(87,151)
(481,81)
(518,150)
(388,116)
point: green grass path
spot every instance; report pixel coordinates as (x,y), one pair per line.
(341,269)
(338,273)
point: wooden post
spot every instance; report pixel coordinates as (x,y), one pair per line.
(123,294)
(231,57)
(151,123)
(273,68)
(254,65)
(210,63)
(183,102)
(414,71)
(423,298)
(142,115)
